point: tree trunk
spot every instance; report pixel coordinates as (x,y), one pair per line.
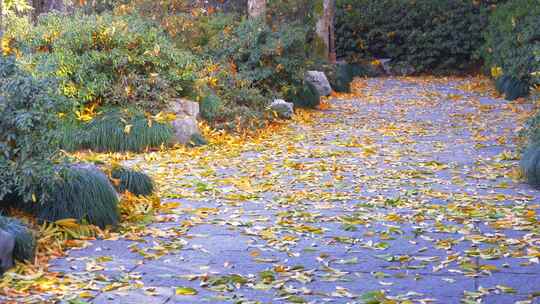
(256,8)
(326,32)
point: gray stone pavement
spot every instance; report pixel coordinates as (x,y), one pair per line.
(405,192)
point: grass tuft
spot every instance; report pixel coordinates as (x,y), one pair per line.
(512,87)
(116,131)
(530,165)
(83,193)
(307,96)
(134,181)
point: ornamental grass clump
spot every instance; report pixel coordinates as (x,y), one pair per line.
(134,181)
(530,164)
(116,131)
(81,192)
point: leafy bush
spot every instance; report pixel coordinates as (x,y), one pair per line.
(116,130)
(272,60)
(25,242)
(430,35)
(81,192)
(133,181)
(27,118)
(245,62)
(513,44)
(110,60)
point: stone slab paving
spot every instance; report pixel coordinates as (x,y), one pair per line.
(405,190)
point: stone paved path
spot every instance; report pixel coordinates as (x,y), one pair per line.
(406,191)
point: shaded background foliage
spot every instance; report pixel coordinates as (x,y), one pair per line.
(438,36)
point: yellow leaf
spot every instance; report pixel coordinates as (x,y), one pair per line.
(85,295)
(67,223)
(127,129)
(185,291)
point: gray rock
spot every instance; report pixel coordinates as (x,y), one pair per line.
(386,65)
(185,125)
(283,109)
(319,80)
(7,244)
(184,128)
(185,107)
(396,69)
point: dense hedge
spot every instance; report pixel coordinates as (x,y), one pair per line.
(512,49)
(429,35)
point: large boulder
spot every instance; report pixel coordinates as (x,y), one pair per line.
(185,107)
(282,109)
(319,81)
(185,124)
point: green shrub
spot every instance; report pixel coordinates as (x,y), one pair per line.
(81,192)
(430,35)
(272,60)
(27,119)
(116,131)
(513,44)
(110,60)
(25,242)
(134,181)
